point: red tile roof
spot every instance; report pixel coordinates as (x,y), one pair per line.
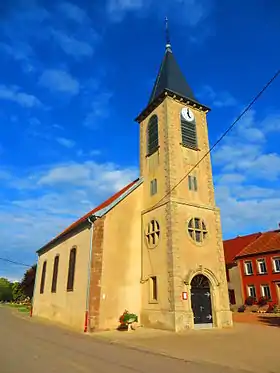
(92,212)
(267,242)
(234,246)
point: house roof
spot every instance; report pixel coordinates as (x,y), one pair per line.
(98,211)
(267,242)
(170,77)
(234,246)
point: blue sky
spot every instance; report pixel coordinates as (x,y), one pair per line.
(74,75)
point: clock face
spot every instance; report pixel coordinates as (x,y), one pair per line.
(187,114)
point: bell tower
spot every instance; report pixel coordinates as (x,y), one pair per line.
(183,270)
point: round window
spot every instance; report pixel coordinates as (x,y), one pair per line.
(197,230)
(152,234)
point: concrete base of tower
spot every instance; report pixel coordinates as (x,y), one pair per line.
(181,321)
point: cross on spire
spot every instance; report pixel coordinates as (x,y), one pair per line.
(167,35)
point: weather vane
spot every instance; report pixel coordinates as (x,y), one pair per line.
(168,45)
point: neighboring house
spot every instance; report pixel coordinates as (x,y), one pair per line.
(259,264)
(153,249)
(253,267)
(233,247)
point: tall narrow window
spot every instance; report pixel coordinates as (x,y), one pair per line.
(153,187)
(192,183)
(262,266)
(55,273)
(252,291)
(71,269)
(152,135)
(265,289)
(248,267)
(153,289)
(276,264)
(188,129)
(43,278)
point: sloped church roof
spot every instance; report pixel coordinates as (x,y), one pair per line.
(170,77)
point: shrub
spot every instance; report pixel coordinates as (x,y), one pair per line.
(250,301)
(128,318)
(262,301)
(242,308)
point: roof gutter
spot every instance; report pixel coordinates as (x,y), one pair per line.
(91,220)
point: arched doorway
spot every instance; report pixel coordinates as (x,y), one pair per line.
(201,300)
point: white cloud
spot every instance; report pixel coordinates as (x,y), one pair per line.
(99,110)
(248,177)
(217,99)
(52,199)
(13,93)
(67,143)
(18,50)
(72,46)
(73,12)
(118,8)
(59,80)
(187,12)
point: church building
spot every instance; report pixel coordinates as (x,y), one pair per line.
(154,248)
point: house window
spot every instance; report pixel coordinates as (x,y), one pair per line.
(252,291)
(192,183)
(262,266)
(153,187)
(265,290)
(152,234)
(276,264)
(43,277)
(55,273)
(153,289)
(248,268)
(188,130)
(71,269)
(197,229)
(152,135)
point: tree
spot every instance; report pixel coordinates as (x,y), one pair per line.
(6,293)
(28,281)
(17,291)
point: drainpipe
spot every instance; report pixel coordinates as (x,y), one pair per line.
(91,220)
(34,289)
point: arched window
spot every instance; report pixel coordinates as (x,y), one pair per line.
(152,135)
(55,273)
(43,277)
(189,137)
(71,269)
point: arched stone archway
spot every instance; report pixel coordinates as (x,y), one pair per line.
(201,300)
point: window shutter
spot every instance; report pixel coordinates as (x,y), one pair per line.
(152,135)
(189,137)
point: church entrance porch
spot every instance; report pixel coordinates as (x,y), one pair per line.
(201,302)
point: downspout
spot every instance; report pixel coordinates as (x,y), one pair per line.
(86,325)
(34,289)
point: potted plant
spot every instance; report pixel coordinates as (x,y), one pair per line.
(128,321)
(250,301)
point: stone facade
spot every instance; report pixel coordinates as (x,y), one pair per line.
(178,258)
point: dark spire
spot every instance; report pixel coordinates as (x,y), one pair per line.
(170,76)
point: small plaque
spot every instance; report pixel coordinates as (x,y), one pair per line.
(184,295)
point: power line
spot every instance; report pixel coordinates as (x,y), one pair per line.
(13,262)
(248,107)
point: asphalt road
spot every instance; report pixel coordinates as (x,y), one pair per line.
(27,346)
